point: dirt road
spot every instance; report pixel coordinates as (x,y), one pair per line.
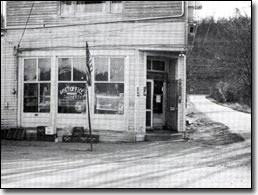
(167,164)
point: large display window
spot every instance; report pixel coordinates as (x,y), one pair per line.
(71,85)
(36,90)
(109,85)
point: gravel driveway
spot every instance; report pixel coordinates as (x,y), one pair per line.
(238,122)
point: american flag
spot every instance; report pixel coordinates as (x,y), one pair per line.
(89,67)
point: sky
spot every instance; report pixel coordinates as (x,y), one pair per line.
(220,9)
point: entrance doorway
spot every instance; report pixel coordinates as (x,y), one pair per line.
(161,94)
(155,101)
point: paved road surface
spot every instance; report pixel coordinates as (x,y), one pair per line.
(238,122)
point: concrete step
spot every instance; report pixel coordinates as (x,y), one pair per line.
(163,137)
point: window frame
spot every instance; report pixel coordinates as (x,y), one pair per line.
(109,82)
(106,9)
(157,59)
(38,82)
(69,81)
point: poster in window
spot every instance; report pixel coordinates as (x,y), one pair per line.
(71,98)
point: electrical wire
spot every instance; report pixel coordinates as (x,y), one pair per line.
(26,24)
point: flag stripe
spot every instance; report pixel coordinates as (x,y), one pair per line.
(89,67)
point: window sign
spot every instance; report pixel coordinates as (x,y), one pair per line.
(71,93)
(109,98)
(71,98)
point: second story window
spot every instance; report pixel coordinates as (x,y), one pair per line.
(89,6)
(71,8)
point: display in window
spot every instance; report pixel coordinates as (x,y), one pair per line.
(109,98)
(71,98)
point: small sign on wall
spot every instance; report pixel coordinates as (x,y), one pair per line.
(49,131)
(158,99)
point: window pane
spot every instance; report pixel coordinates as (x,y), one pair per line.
(101,69)
(148,64)
(30,97)
(88,6)
(109,98)
(44,103)
(116,6)
(67,8)
(158,97)
(79,69)
(71,98)
(44,71)
(158,65)
(30,66)
(64,69)
(117,69)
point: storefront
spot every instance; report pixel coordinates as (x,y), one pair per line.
(132,91)
(139,66)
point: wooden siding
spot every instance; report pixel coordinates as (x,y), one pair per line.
(8,83)
(47,12)
(133,35)
(104,39)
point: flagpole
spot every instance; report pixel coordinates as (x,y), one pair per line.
(88,105)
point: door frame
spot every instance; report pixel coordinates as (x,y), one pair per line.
(150,110)
(21,114)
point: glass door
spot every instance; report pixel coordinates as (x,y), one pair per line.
(149,100)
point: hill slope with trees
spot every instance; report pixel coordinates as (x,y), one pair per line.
(219,59)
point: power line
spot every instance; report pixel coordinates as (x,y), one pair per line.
(26,24)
